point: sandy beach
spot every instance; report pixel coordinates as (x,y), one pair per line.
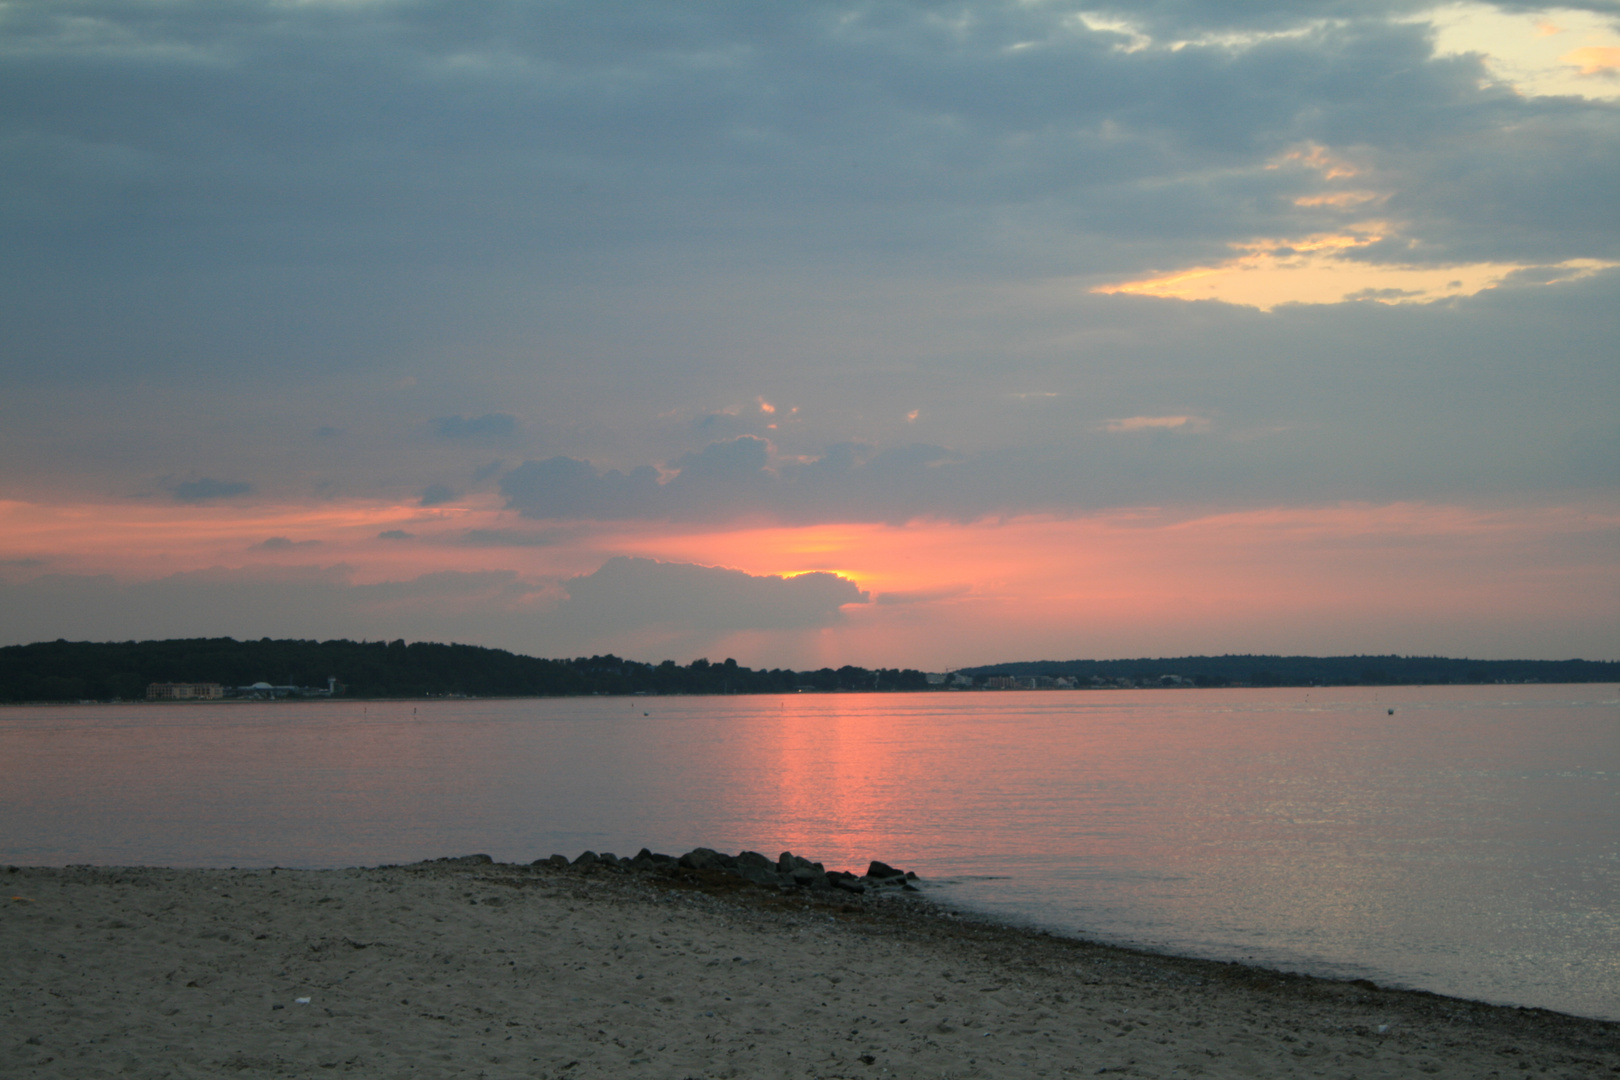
(465,968)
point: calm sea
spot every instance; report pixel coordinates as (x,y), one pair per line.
(1467,844)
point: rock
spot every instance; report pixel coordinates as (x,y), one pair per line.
(788,871)
(805,876)
(759,875)
(754,859)
(848,882)
(705,859)
(652,860)
(790,862)
(755,867)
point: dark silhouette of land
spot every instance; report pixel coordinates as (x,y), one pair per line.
(103,671)
(1208,671)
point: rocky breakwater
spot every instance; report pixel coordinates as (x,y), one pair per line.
(786,872)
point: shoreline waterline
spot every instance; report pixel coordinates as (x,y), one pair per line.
(457,966)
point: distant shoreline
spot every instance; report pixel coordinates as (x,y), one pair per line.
(447,698)
(68,671)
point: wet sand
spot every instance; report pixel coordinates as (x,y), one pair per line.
(460,968)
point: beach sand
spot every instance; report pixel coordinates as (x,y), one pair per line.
(468,969)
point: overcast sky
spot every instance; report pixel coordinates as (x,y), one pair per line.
(1026,330)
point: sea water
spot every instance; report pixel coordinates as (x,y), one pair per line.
(1464,840)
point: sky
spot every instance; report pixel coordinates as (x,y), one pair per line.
(884,333)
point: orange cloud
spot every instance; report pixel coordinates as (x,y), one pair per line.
(1413,577)
(1339,200)
(1313,270)
(1319,158)
(1594,59)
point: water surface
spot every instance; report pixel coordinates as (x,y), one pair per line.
(1468,844)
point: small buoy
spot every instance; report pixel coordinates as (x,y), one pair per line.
(1392,712)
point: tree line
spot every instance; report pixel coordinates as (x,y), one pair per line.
(105,671)
(1245,670)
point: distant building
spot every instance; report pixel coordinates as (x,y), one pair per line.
(935,678)
(263,691)
(184,691)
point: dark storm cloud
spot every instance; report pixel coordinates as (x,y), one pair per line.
(488,426)
(628,594)
(284,543)
(588,213)
(1358,401)
(207,488)
(435,495)
(300,601)
(738,479)
(513,537)
(388,134)
(490,607)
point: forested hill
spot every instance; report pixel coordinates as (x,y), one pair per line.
(82,670)
(103,671)
(1305,671)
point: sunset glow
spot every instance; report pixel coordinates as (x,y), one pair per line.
(824,335)
(1132,581)
(1550,51)
(1314,270)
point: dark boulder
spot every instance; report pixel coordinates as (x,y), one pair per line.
(840,879)
(752,866)
(754,859)
(879,870)
(807,876)
(647,860)
(706,859)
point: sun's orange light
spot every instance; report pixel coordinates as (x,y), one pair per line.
(941,593)
(1594,59)
(1313,270)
